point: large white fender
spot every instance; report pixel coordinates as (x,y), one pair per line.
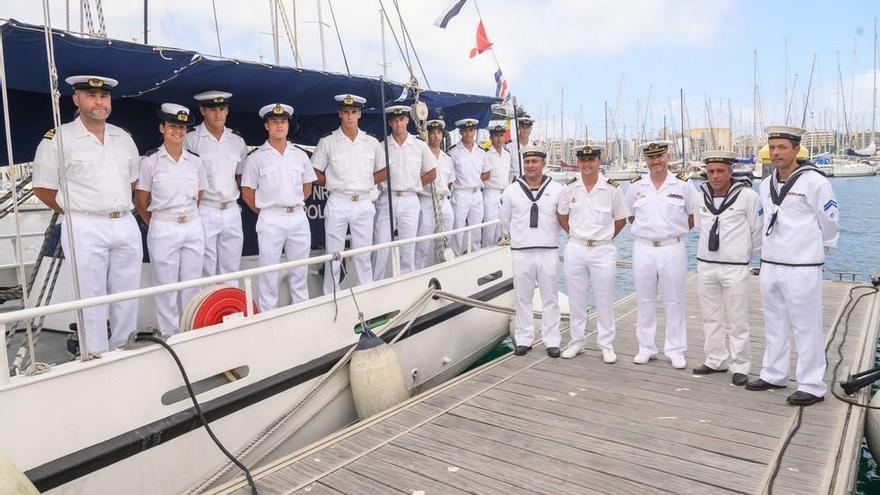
(872,427)
(13,481)
(376,376)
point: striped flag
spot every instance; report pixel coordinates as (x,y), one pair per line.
(448,13)
(500,85)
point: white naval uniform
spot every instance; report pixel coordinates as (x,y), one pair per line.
(277,180)
(427,222)
(513,148)
(467,200)
(534,253)
(499,178)
(175,237)
(108,250)
(723,277)
(219,211)
(660,258)
(590,254)
(349,166)
(408,162)
(792,256)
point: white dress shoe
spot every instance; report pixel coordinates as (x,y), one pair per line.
(642,358)
(572,350)
(608,355)
(679,363)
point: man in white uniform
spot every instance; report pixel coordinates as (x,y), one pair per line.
(471,169)
(528,218)
(170,183)
(411,166)
(499,178)
(593,211)
(222,151)
(438,191)
(800,226)
(662,207)
(729,222)
(348,162)
(100,168)
(523,131)
(276,182)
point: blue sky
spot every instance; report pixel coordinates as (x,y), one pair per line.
(704,47)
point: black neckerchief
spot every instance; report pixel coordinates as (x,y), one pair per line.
(778,196)
(533,216)
(729,198)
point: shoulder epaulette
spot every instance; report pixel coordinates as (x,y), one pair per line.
(683,176)
(151,152)
(370,134)
(191,152)
(637,179)
(452,147)
(612,182)
(236,133)
(571,180)
(191,129)
(251,151)
(307,152)
(49,134)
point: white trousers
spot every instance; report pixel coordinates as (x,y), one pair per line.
(109,257)
(491,211)
(662,269)
(277,230)
(406,219)
(223,240)
(467,206)
(724,304)
(425,250)
(341,214)
(536,267)
(594,267)
(792,297)
(176,254)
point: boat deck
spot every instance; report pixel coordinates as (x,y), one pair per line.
(527,425)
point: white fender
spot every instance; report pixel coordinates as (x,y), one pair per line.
(872,426)
(376,377)
(13,481)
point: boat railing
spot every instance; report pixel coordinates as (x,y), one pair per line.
(246,276)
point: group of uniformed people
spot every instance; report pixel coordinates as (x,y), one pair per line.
(792,222)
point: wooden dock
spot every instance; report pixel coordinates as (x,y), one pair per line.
(532,424)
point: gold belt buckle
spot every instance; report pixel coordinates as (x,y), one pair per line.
(290,209)
(181,219)
(657,243)
(116,214)
(355,197)
(224,205)
(591,243)
(398,193)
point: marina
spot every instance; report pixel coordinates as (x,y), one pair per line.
(538,425)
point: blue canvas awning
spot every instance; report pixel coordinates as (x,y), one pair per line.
(149,76)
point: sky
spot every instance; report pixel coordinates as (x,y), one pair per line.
(563,59)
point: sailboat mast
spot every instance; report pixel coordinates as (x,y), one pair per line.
(683,159)
(146,21)
(755,104)
(321,35)
(874,79)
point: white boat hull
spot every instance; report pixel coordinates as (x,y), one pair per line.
(101,426)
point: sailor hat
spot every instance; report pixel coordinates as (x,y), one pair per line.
(719,156)
(92,82)
(435,124)
(276,110)
(467,123)
(173,113)
(525,120)
(532,150)
(654,148)
(350,101)
(213,98)
(496,128)
(589,151)
(784,132)
(398,111)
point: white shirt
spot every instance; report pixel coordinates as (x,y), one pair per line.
(349,165)
(99,176)
(408,162)
(515,216)
(223,160)
(445,174)
(591,215)
(173,186)
(468,166)
(661,214)
(276,178)
(806,223)
(499,169)
(739,229)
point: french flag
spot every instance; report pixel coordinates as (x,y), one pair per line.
(448,13)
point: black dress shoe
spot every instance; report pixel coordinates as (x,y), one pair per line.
(758,384)
(800,398)
(740,379)
(553,352)
(705,370)
(521,350)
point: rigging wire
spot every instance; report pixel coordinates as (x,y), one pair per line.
(217,27)
(339,36)
(415,52)
(396,41)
